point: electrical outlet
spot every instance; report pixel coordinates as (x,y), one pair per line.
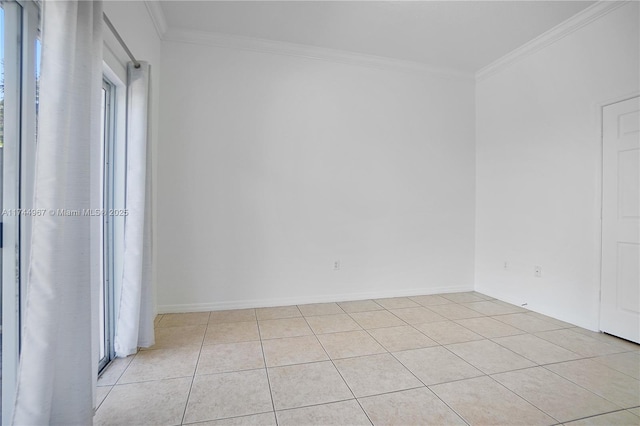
(336,265)
(537,271)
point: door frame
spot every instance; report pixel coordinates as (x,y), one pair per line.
(600,190)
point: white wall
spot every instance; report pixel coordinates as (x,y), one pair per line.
(271,167)
(538,167)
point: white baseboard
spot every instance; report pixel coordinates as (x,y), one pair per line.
(302,300)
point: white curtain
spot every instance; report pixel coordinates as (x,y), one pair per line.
(134,326)
(56,368)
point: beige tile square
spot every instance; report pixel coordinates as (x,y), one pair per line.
(396,303)
(228,357)
(627,363)
(231,332)
(436,365)
(320,309)
(101,394)
(417,315)
(360,306)
(553,394)
(264,419)
(454,311)
(410,407)
(286,327)
(511,306)
(483,296)
(401,338)
(526,322)
(234,315)
(114,370)
(465,297)
(218,396)
(332,323)
(447,332)
(300,385)
(578,343)
(488,327)
(181,320)
(349,344)
(336,413)
(293,350)
(618,418)
(430,300)
(376,319)
(608,338)
(482,401)
(375,374)
(177,337)
(617,387)
(487,307)
(161,364)
(157,319)
(148,403)
(552,320)
(536,349)
(278,312)
(489,357)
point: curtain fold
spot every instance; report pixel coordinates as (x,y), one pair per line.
(134,326)
(55,376)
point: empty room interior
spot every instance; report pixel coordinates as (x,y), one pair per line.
(321,213)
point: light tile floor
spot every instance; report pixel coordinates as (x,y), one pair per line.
(449,359)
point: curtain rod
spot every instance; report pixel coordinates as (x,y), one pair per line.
(120,40)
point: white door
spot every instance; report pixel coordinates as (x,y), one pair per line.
(620,288)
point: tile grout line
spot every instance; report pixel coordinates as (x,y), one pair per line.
(193,378)
(522,397)
(266,371)
(339,373)
(593,358)
(579,334)
(319,404)
(116,382)
(579,385)
(619,351)
(599,414)
(483,373)
(95,411)
(417,378)
(199,422)
(424,384)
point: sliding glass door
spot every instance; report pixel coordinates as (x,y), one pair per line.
(20,66)
(106,295)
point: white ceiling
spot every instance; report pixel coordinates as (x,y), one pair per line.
(461,35)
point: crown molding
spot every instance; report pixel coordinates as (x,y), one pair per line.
(157,17)
(551,36)
(228,41)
